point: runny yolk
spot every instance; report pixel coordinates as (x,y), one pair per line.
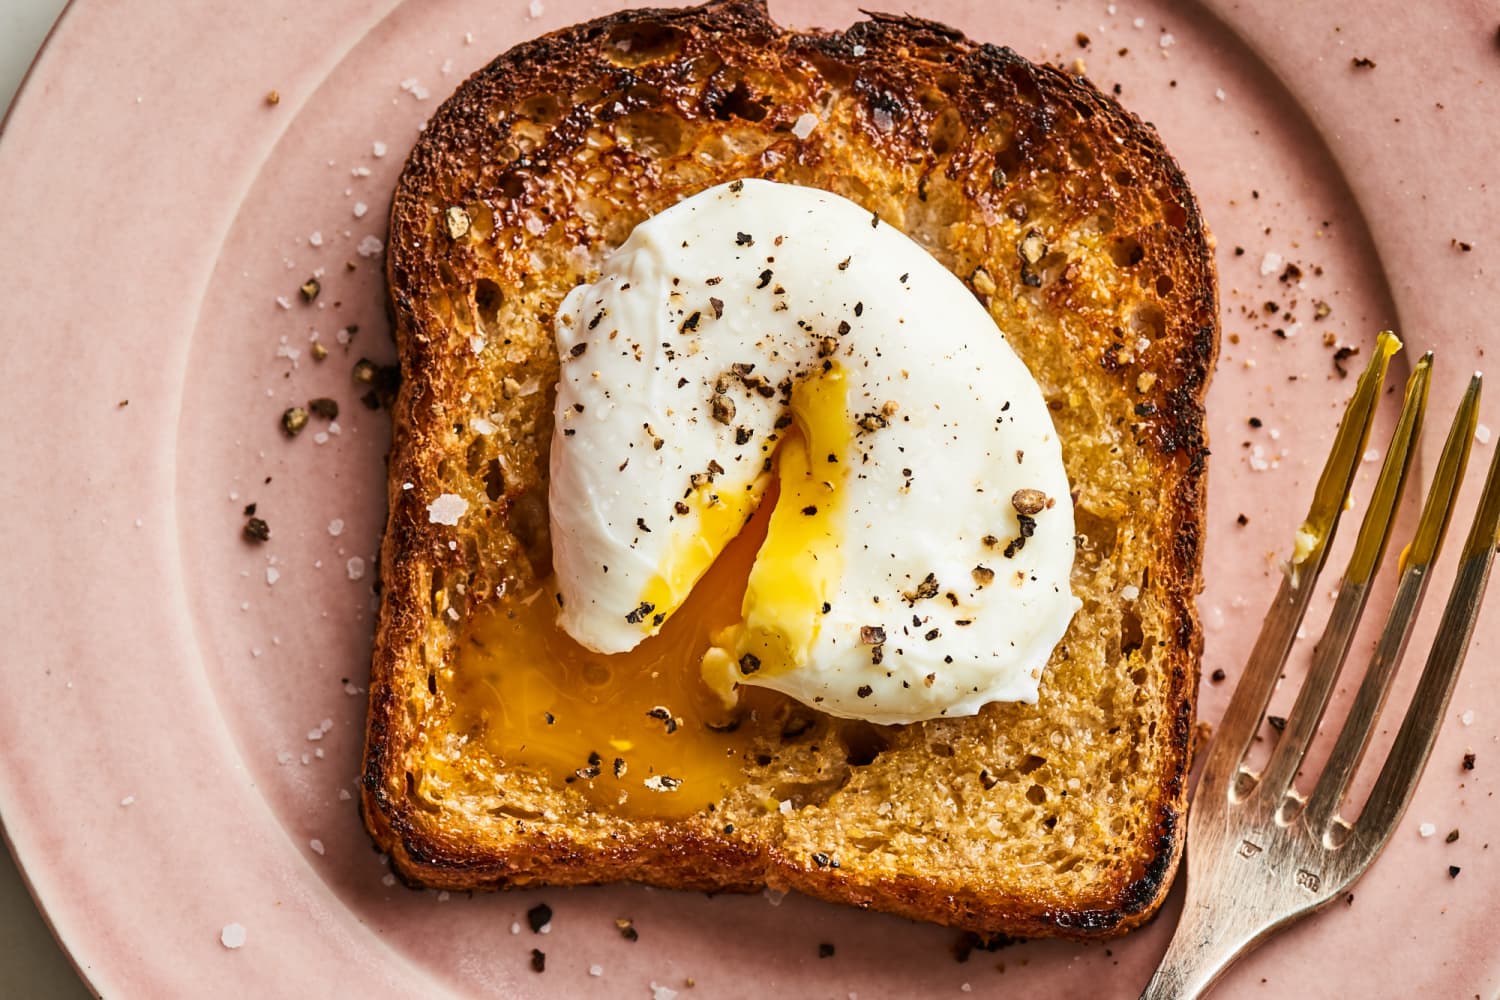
(537,699)
(798,566)
(656,731)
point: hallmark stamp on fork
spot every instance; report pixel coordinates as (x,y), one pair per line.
(1311,881)
(1248,849)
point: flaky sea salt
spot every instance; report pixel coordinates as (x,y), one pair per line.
(803,127)
(447,509)
(360,208)
(1271,262)
(482,426)
(128,800)
(1467,718)
(1482,433)
(662,992)
(233,936)
(596,971)
(378,148)
(356,567)
(316,845)
(272,575)
(1427,829)
(370,246)
(316,239)
(1219,94)
(1167,40)
(1130,592)
(336,527)
(535,9)
(387,880)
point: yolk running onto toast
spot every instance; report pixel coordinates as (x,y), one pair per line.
(637,733)
(665,730)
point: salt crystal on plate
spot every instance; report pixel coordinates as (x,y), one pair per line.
(447,509)
(128,800)
(443,897)
(515,927)
(1426,829)
(662,992)
(1139,22)
(356,567)
(336,527)
(360,208)
(1167,40)
(369,246)
(1219,94)
(272,575)
(1482,433)
(284,757)
(378,148)
(283,302)
(596,970)
(316,239)
(316,845)
(535,9)
(1271,262)
(233,936)
(387,880)
(1467,718)
(344,795)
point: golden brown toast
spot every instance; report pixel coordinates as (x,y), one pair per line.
(1060,818)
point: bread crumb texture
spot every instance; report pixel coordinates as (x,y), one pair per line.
(1064,216)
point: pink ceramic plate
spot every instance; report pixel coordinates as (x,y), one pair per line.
(181,728)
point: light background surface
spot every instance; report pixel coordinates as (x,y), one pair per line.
(31,963)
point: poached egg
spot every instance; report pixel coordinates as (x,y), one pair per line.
(763,339)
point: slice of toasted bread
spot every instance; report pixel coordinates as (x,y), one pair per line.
(1063,817)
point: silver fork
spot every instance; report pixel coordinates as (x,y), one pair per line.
(1259,854)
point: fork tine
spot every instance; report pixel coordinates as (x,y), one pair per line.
(1403,766)
(1416,566)
(1354,589)
(1253,692)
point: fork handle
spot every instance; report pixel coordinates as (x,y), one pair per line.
(1207,941)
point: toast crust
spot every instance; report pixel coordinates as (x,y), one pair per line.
(881,65)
